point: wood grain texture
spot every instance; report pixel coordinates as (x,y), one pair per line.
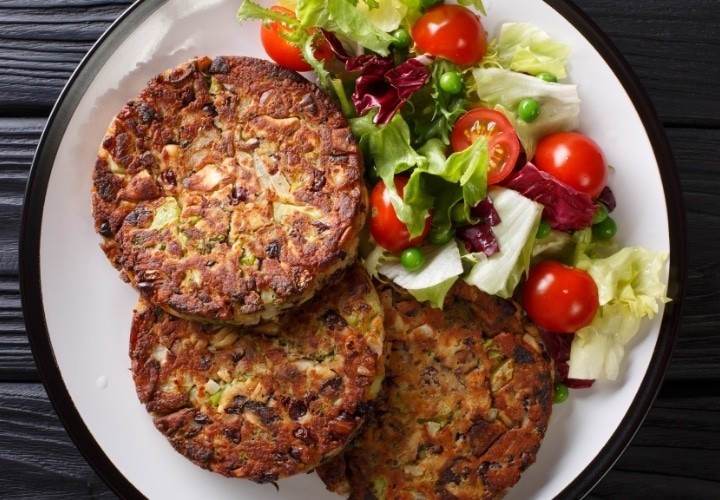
(41,44)
(38,451)
(671,46)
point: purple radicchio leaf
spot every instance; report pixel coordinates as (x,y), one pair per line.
(381,84)
(480,237)
(558,345)
(565,209)
(386,87)
(335,45)
(607,198)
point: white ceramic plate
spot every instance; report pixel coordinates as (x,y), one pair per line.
(78,311)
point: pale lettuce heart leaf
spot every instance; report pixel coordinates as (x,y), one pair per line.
(598,349)
(630,276)
(503,90)
(442,268)
(500,273)
(434,295)
(629,289)
(376,258)
(525,48)
(386,15)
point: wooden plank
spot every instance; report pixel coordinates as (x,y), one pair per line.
(676,450)
(673,51)
(36,451)
(41,44)
(18,140)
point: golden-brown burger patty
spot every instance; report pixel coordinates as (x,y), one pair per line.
(465,404)
(267,401)
(229,189)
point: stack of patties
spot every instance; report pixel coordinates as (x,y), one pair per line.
(230,193)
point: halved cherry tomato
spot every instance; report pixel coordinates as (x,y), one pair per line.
(453,32)
(281,50)
(573,159)
(503,143)
(388,231)
(560,298)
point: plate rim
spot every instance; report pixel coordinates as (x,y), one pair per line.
(36,190)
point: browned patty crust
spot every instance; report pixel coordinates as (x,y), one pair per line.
(267,401)
(229,189)
(465,405)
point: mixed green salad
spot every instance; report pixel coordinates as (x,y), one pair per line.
(476,169)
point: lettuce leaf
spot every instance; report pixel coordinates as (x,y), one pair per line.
(386,15)
(343,18)
(503,90)
(462,175)
(389,146)
(598,349)
(501,273)
(525,48)
(432,112)
(629,289)
(631,276)
(432,282)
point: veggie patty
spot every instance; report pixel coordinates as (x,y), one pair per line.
(466,402)
(228,190)
(267,401)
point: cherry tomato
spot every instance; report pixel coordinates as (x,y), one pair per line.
(388,231)
(281,50)
(503,143)
(560,298)
(453,32)
(573,159)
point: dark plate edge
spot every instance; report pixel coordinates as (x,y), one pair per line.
(29,245)
(29,248)
(652,382)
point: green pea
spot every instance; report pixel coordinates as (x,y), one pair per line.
(601,214)
(457,212)
(543,230)
(605,230)
(451,82)
(547,77)
(528,109)
(402,38)
(412,258)
(440,235)
(561,393)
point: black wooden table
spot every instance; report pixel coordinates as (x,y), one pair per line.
(674,49)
